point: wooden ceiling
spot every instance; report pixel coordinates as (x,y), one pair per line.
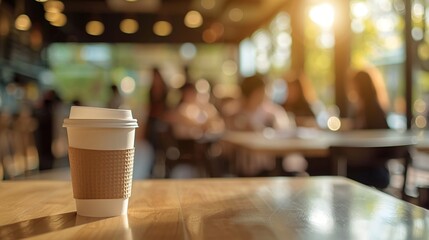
(256,13)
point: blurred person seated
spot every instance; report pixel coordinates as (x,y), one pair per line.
(193,125)
(228,108)
(370,102)
(46,126)
(195,116)
(257,114)
(301,100)
(369,99)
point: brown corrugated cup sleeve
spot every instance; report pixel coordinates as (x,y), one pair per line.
(101,174)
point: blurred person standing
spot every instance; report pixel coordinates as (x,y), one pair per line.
(157,106)
(155,123)
(45,133)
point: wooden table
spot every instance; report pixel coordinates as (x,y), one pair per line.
(256,208)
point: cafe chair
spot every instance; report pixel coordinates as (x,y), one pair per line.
(347,156)
(178,152)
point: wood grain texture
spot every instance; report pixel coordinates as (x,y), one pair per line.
(255,208)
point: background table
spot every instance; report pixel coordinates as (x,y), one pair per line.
(316,143)
(257,208)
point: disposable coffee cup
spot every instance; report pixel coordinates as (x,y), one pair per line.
(101,154)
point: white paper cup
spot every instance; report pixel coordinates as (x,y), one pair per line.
(100,129)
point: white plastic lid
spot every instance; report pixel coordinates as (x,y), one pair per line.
(92,117)
(80,112)
(100,123)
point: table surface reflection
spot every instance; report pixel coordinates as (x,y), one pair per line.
(240,208)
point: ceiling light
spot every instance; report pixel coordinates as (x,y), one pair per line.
(41,0)
(54,6)
(23,22)
(94,28)
(193,19)
(162,28)
(129,26)
(52,16)
(60,21)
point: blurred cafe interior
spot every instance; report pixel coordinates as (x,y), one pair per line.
(221,88)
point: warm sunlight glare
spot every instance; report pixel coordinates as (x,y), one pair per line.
(323,15)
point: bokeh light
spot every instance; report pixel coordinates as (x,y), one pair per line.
(420,106)
(59,21)
(202,86)
(236,14)
(23,22)
(360,10)
(284,40)
(177,81)
(209,36)
(193,19)
(420,121)
(323,15)
(128,85)
(334,123)
(54,6)
(417,33)
(423,51)
(52,16)
(162,28)
(229,67)
(95,28)
(188,51)
(129,26)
